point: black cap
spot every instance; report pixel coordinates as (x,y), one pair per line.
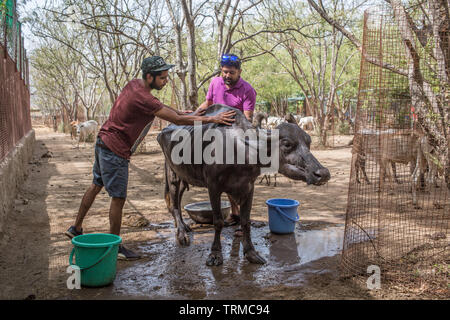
(154,64)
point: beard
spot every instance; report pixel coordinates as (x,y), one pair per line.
(229,81)
(154,86)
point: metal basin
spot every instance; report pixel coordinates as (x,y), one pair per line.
(201,212)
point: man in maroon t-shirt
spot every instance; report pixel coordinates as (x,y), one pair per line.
(128,122)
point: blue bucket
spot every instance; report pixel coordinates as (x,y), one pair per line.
(282,215)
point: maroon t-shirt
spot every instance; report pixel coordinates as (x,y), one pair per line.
(132,111)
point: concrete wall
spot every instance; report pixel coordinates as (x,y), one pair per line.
(13,172)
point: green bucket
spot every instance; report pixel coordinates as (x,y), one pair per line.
(96,256)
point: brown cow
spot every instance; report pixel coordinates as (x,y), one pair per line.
(73,129)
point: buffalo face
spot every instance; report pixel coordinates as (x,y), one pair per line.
(296,160)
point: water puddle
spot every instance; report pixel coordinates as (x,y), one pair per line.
(316,244)
(168,271)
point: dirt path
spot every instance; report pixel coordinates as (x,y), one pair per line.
(35,251)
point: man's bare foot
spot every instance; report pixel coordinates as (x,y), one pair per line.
(232,220)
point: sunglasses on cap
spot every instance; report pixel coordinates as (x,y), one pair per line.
(230,58)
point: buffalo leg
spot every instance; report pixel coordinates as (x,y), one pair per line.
(249,250)
(172,194)
(215,258)
(183,187)
(234,206)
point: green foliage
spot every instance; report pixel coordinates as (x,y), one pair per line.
(403,118)
(270,75)
(7,7)
(268,78)
(3,7)
(344,128)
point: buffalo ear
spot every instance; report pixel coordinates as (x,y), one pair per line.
(308,140)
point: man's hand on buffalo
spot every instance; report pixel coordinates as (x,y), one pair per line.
(226,117)
(179,118)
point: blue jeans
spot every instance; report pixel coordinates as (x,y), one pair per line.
(110,171)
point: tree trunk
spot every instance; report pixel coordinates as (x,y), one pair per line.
(192,61)
(423,97)
(180,68)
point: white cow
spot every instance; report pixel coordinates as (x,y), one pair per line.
(86,128)
(273,122)
(305,121)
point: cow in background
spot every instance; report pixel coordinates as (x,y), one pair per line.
(86,128)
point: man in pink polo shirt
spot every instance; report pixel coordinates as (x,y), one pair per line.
(231,90)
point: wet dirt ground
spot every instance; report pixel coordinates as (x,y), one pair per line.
(170,271)
(302,265)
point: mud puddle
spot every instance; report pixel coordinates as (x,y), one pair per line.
(168,271)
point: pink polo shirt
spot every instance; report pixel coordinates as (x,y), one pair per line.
(241,96)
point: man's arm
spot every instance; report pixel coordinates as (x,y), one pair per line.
(177,111)
(249,115)
(249,104)
(205,105)
(169,114)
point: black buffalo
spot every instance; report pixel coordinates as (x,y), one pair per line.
(237,180)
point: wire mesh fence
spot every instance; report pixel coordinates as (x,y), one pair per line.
(399,198)
(15,119)
(12,43)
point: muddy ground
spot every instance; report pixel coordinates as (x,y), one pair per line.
(303,265)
